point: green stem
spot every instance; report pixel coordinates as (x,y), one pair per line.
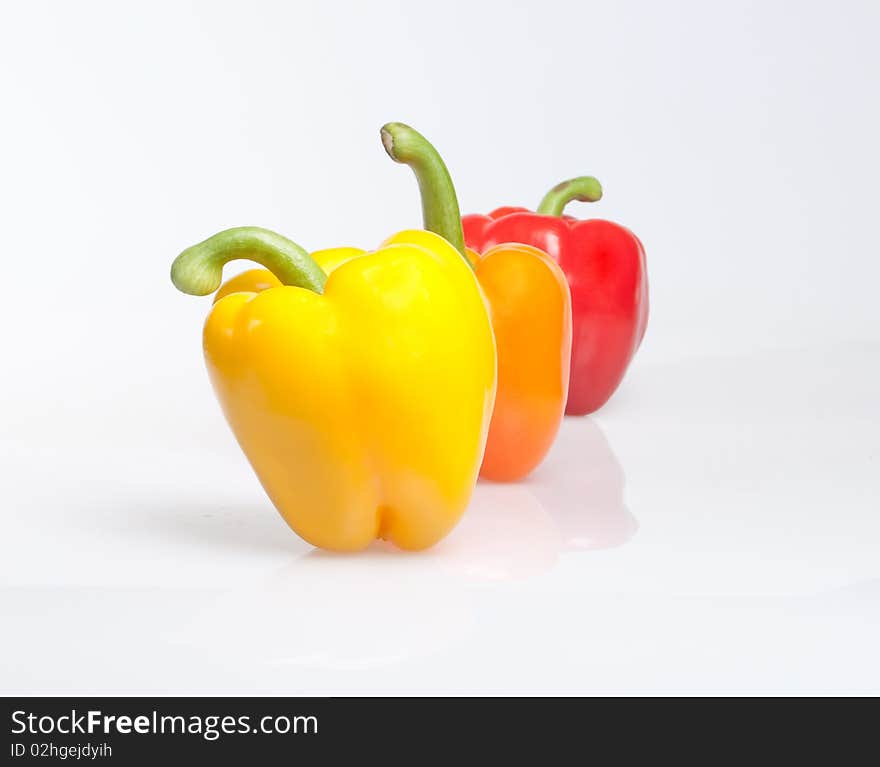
(199,269)
(582,189)
(440,212)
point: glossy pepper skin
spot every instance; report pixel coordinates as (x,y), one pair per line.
(606,271)
(361,400)
(530,306)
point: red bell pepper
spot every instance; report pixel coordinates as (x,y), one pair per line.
(605,267)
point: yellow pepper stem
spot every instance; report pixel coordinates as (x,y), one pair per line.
(198,271)
(440,212)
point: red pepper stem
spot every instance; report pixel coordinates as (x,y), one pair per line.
(582,189)
(198,271)
(440,212)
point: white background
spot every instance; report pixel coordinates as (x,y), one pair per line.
(714,529)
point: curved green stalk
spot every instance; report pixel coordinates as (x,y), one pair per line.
(582,189)
(198,271)
(440,212)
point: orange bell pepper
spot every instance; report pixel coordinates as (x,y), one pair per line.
(530,306)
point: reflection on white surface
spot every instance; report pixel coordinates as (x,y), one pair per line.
(506,533)
(384,606)
(574,501)
(582,487)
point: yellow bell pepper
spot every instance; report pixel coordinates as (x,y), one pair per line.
(361,400)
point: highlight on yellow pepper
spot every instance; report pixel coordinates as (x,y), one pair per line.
(362,400)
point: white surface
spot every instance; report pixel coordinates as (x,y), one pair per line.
(715,529)
(753,483)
